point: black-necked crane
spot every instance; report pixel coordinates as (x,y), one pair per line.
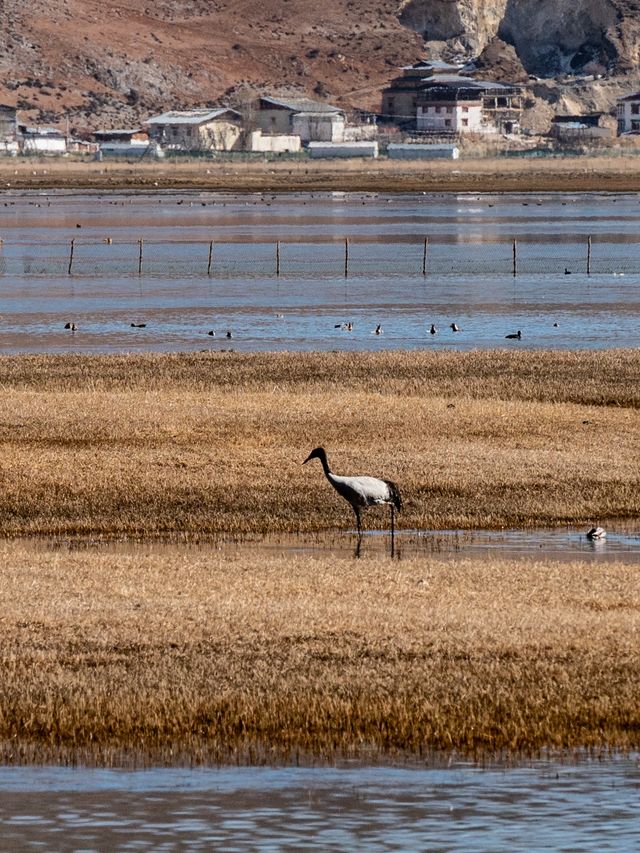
(360,492)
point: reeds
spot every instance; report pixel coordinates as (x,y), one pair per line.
(212,444)
(195,655)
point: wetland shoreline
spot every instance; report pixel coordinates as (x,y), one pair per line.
(492,175)
(249,657)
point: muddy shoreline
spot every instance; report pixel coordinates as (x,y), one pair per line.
(494,175)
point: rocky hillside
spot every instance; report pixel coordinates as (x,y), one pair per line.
(105,63)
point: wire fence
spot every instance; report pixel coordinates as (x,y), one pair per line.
(343,258)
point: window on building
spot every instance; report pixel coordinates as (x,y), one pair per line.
(465,109)
(465,122)
(635,109)
(635,125)
(447,122)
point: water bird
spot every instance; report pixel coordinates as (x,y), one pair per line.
(360,492)
(596,533)
(433,330)
(515,336)
(71,326)
(138,325)
(211,333)
(567,271)
(455,328)
(228,335)
(378,330)
(556,325)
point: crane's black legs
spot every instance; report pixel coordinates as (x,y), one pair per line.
(393,532)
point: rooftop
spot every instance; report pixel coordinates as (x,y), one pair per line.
(302,105)
(190,116)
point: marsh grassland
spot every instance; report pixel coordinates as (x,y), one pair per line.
(220,655)
(210,657)
(212,443)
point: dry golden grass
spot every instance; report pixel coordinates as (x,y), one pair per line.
(490,174)
(212,444)
(205,655)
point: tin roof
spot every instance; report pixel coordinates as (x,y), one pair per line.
(200,116)
(302,105)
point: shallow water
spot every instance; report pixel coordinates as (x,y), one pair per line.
(587,806)
(560,544)
(469,277)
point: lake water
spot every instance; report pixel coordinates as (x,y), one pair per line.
(545,805)
(180,292)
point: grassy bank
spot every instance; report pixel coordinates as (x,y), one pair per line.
(206,656)
(503,174)
(212,443)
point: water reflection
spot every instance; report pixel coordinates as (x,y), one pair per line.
(589,805)
(560,544)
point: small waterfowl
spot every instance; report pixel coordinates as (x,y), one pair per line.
(71,326)
(433,330)
(211,333)
(455,328)
(378,330)
(596,533)
(516,336)
(138,325)
(228,335)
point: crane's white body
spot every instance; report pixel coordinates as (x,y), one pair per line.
(360,492)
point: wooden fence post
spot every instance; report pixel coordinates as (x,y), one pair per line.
(346,257)
(140,244)
(210,257)
(515,258)
(424,256)
(589,255)
(70,257)
(278,258)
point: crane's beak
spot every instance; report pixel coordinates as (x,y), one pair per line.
(306,460)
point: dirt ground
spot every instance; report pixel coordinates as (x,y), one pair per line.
(569,174)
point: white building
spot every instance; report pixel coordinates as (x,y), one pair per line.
(41,140)
(456,105)
(628,113)
(197,130)
(310,120)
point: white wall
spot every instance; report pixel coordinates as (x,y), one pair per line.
(278,144)
(451,118)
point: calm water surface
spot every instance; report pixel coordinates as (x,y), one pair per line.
(587,806)
(469,277)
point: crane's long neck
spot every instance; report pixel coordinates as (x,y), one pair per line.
(325,465)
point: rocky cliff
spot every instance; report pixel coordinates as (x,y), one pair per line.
(550,37)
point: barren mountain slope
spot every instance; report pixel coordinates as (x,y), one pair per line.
(104,62)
